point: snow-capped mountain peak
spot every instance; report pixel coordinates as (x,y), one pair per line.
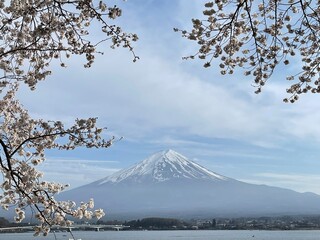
(163,166)
(167,184)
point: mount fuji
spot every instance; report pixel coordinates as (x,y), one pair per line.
(162,167)
(167,184)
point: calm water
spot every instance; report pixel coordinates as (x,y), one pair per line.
(173,235)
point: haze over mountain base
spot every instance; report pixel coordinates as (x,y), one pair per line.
(167,184)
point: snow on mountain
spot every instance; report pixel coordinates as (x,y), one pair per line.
(163,166)
(168,184)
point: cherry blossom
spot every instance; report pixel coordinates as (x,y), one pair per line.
(23,141)
(258,37)
(33,34)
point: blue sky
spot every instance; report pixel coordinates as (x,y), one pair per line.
(163,102)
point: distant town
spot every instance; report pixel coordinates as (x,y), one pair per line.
(154,223)
(261,223)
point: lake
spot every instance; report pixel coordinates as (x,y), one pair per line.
(173,235)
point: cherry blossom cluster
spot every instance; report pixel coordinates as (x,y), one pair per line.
(23,141)
(258,36)
(35,32)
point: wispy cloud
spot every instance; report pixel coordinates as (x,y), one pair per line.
(298,182)
(76,172)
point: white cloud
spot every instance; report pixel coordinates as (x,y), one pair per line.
(160,94)
(152,95)
(76,172)
(297,182)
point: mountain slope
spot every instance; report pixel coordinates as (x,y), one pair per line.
(163,166)
(168,184)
